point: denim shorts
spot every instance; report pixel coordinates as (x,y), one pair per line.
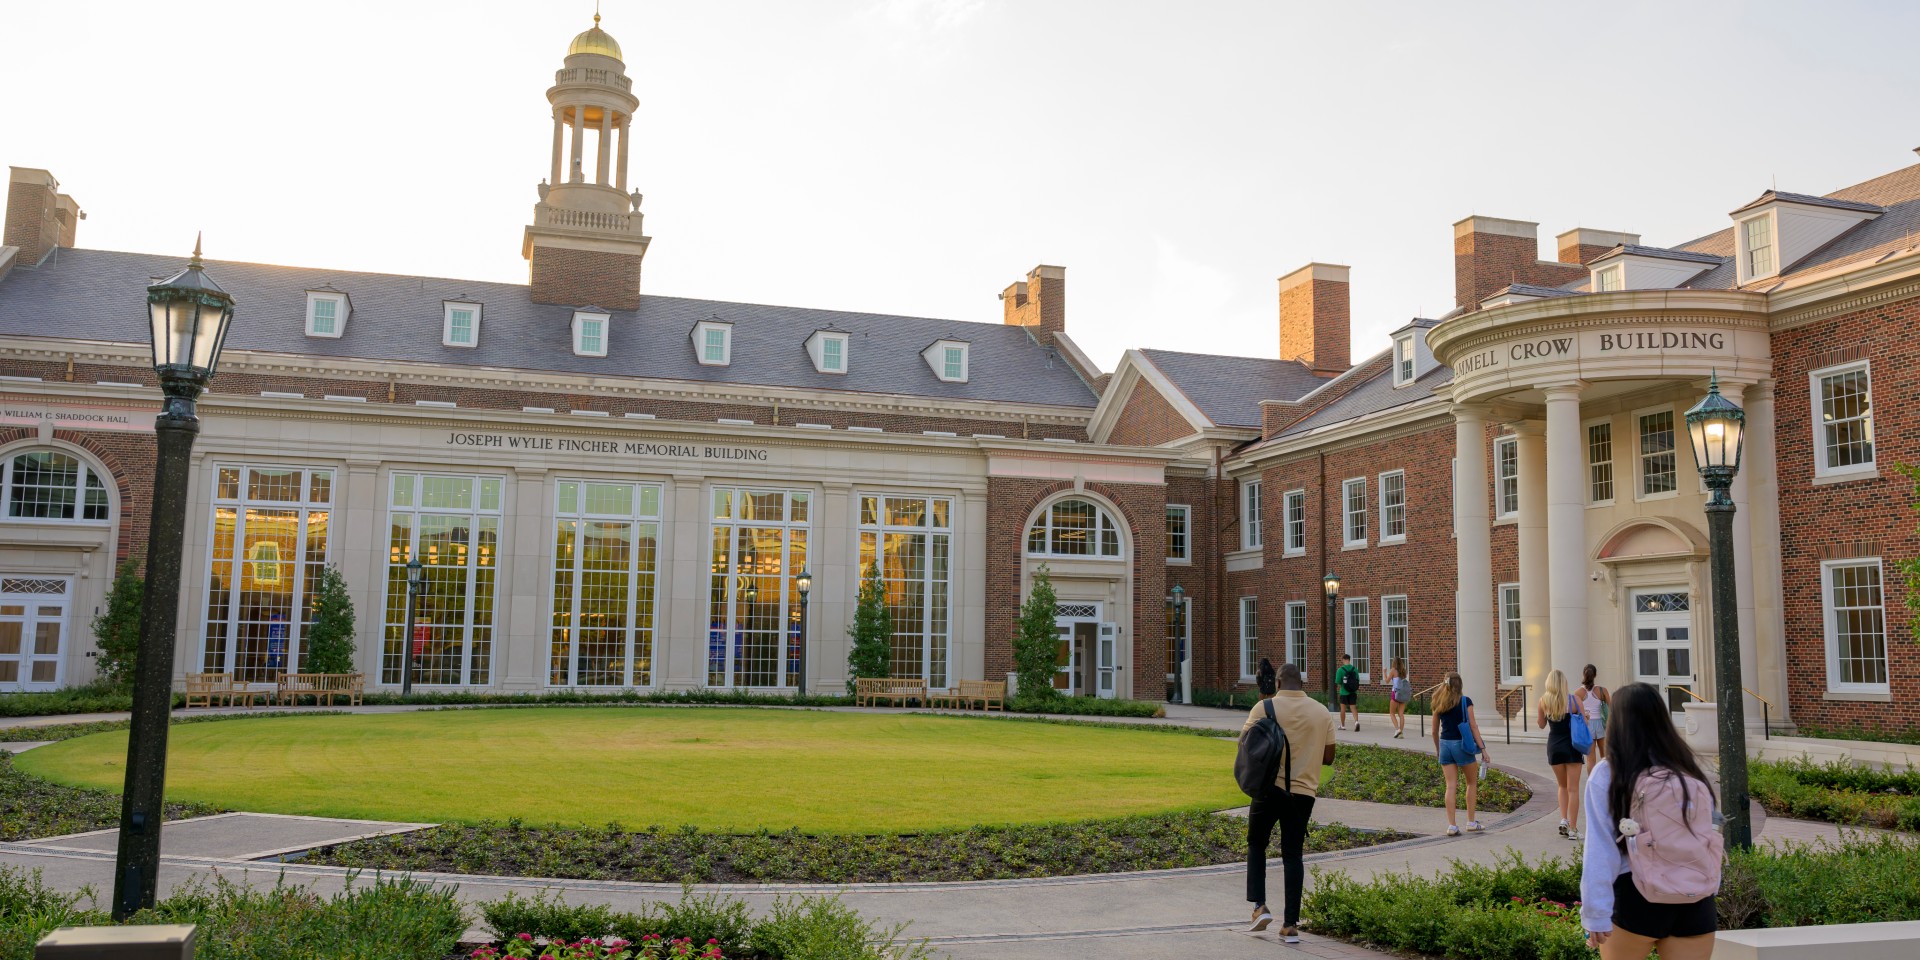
(1453,753)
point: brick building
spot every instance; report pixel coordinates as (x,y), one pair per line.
(613,489)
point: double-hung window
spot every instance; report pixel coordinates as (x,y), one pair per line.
(1511,664)
(1758,233)
(1295,502)
(1393,506)
(590,333)
(1506,477)
(1393,614)
(1403,360)
(1360,636)
(1843,428)
(1658,467)
(1609,279)
(1600,462)
(1353,497)
(1297,635)
(1249,637)
(1249,514)
(1179,534)
(1856,626)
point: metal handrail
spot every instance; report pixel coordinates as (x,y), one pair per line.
(1766,714)
(1426,699)
(1689,693)
(1508,717)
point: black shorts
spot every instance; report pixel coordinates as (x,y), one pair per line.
(1349,698)
(1658,921)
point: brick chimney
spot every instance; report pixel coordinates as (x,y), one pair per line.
(39,216)
(1582,245)
(1490,253)
(1038,303)
(1316,326)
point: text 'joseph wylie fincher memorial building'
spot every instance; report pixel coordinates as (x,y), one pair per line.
(616,490)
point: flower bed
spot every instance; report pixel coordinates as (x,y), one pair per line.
(978,853)
(1387,775)
(706,927)
(31,807)
(1838,792)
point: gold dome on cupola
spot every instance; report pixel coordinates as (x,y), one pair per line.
(595,41)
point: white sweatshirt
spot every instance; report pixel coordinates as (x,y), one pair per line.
(1602,860)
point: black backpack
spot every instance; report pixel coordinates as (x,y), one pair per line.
(1263,747)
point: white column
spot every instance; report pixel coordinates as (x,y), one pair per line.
(1743,560)
(680,639)
(620,170)
(1473,601)
(1567,522)
(606,146)
(1536,641)
(526,563)
(833,550)
(559,127)
(575,174)
(359,508)
(967,648)
(1763,520)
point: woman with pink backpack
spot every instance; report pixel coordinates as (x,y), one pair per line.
(1652,862)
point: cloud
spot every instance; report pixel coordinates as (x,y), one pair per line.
(918,28)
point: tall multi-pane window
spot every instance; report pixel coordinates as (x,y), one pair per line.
(1249,514)
(1249,636)
(1073,528)
(1176,638)
(1353,498)
(1759,237)
(452,525)
(1360,634)
(1600,462)
(1657,464)
(270,532)
(1297,635)
(1393,616)
(606,550)
(1843,437)
(1511,663)
(1179,534)
(1506,477)
(1403,360)
(1295,503)
(52,485)
(1856,626)
(1393,506)
(911,540)
(753,619)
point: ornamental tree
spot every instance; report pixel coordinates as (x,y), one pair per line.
(1036,639)
(116,631)
(330,636)
(871,654)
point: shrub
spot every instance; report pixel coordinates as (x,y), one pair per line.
(330,637)
(1838,792)
(93,698)
(823,928)
(1036,641)
(116,631)
(1387,775)
(30,910)
(1085,706)
(871,653)
(553,919)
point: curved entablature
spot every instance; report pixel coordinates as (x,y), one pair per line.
(1630,335)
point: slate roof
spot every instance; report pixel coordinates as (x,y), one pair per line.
(100,295)
(1373,396)
(1531,290)
(1663,253)
(1772,195)
(1228,390)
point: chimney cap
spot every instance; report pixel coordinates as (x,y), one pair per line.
(1331,272)
(1498,226)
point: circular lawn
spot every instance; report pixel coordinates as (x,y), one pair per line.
(718,769)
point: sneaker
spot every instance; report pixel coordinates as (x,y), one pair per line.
(1356,726)
(1573,834)
(1261,917)
(1473,826)
(1399,734)
(1563,828)
(1290,934)
(1452,831)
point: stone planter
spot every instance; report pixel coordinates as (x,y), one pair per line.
(1701,728)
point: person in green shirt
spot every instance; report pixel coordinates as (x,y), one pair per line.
(1346,683)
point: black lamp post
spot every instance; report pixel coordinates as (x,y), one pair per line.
(415,573)
(189,314)
(1716,426)
(803,583)
(1330,583)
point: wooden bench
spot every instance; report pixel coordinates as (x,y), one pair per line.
(322,687)
(898,690)
(218,689)
(986,694)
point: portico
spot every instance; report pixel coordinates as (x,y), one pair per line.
(1568,425)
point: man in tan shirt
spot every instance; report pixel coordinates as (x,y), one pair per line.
(1310,740)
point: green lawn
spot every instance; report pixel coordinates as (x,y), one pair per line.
(715,768)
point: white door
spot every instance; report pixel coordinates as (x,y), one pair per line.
(1663,644)
(33,632)
(1108,659)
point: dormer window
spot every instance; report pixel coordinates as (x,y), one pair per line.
(828,348)
(590,333)
(1757,246)
(1404,365)
(1610,279)
(713,343)
(327,312)
(948,359)
(461,327)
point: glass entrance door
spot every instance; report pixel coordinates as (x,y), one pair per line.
(1663,644)
(1077,625)
(33,632)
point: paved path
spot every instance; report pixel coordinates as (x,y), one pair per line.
(1193,912)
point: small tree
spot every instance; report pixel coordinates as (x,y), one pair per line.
(871,655)
(1036,640)
(330,636)
(117,629)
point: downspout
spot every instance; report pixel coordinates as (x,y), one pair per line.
(1217,570)
(1326,567)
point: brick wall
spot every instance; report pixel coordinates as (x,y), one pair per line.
(1485,262)
(129,457)
(1314,325)
(30,223)
(1147,419)
(1879,513)
(581,277)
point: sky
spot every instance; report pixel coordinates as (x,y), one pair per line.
(918,156)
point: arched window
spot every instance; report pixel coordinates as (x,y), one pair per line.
(52,485)
(1074,528)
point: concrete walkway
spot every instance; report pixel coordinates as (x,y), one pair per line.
(1199,911)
